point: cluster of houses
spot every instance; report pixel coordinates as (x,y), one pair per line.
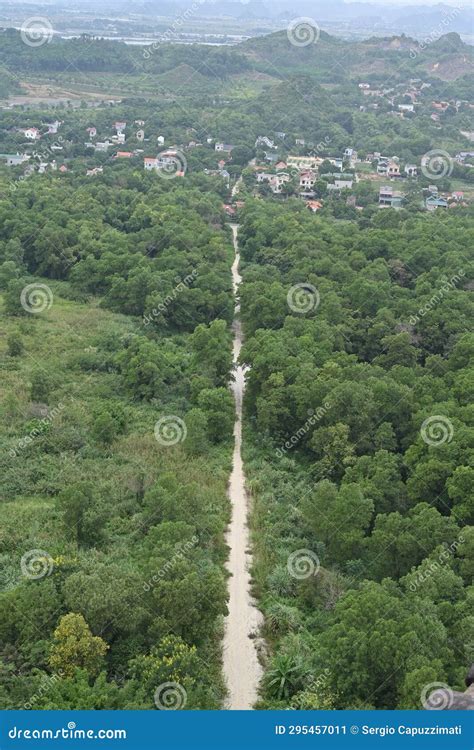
(432,200)
(404,98)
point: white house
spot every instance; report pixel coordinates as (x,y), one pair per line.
(411,170)
(102,146)
(226,147)
(53,127)
(263,140)
(32,134)
(307,178)
(13,160)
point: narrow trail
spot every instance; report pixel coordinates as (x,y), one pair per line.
(241,666)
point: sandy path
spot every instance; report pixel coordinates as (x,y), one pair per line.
(241,666)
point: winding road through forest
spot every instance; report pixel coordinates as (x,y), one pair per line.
(242,668)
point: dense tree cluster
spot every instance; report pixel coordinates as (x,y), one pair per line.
(359,448)
(117,431)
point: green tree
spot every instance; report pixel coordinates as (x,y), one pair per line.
(75,646)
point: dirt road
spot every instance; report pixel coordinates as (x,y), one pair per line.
(241,666)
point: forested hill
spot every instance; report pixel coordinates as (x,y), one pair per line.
(329,59)
(335,59)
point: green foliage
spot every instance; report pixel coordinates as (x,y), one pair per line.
(75,646)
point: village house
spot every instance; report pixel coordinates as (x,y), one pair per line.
(411,170)
(350,155)
(307,179)
(13,160)
(277,181)
(63,168)
(406,107)
(304,162)
(457,195)
(263,140)
(264,176)
(95,171)
(433,202)
(364,86)
(32,134)
(388,167)
(280,165)
(140,123)
(150,162)
(299,141)
(124,155)
(120,126)
(314,206)
(53,127)
(92,131)
(442,106)
(140,134)
(389,197)
(225,147)
(103,146)
(160,140)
